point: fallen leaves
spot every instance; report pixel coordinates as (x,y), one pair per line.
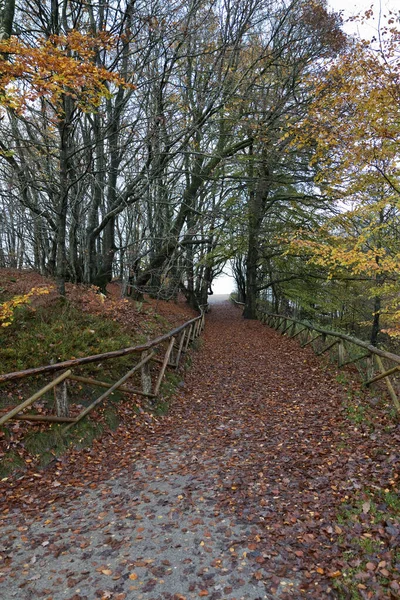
(274,447)
(366,507)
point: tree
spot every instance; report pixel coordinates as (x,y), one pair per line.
(7,9)
(300,38)
(59,80)
(133,171)
(352,124)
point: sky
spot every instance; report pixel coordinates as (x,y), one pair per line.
(225,283)
(351,8)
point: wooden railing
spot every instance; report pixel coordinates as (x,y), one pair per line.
(346,351)
(176,343)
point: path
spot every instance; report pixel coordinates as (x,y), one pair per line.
(231,496)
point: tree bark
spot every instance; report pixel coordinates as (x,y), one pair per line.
(7,9)
(257,199)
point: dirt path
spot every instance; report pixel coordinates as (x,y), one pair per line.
(233,495)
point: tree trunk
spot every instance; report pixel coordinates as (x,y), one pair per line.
(7,8)
(64,128)
(257,200)
(375,323)
(61,400)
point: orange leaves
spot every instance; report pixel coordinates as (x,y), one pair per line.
(89,299)
(57,66)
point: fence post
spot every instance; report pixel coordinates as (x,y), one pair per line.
(14,411)
(61,399)
(180,347)
(341,354)
(304,339)
(146,375)
(370,367)
(164,366)
(189,337)
(390,388)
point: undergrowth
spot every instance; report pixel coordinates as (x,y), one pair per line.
(371,554)
(55,333)
(168,388)
(370,515)
(57,330)
(43,445)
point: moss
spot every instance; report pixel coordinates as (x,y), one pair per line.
(10,462)
(58,332)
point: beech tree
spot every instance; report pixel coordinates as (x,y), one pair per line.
(301,37)
(7,8)
(352,124)
(130,129)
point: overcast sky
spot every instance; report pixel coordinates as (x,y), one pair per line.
(353,7)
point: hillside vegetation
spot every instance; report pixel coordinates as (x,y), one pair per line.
(48,328)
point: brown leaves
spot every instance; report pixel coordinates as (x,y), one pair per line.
(366,507)
(281,415)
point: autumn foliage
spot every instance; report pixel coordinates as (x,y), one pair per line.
(57,66)
(7,309)
(352,126)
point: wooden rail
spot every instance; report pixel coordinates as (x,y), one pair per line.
(178,340)
(66,364)
(309,334)
(237,302)
(15,411)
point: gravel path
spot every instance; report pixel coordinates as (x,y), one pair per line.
(156,534)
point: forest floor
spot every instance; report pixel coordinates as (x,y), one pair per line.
(267,479)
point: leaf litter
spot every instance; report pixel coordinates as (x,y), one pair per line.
(254,485)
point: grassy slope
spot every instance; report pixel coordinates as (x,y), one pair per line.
(51,329)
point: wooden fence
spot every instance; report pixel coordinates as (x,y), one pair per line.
(344,348)
(174,344)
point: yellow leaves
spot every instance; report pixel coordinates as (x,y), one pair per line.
(54,67)
(334,574)
(340,254)
(352,121)
(7,309)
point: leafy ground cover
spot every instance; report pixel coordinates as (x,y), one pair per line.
(258,483)
(50,329)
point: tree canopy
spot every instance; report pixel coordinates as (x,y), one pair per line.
(154,142)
